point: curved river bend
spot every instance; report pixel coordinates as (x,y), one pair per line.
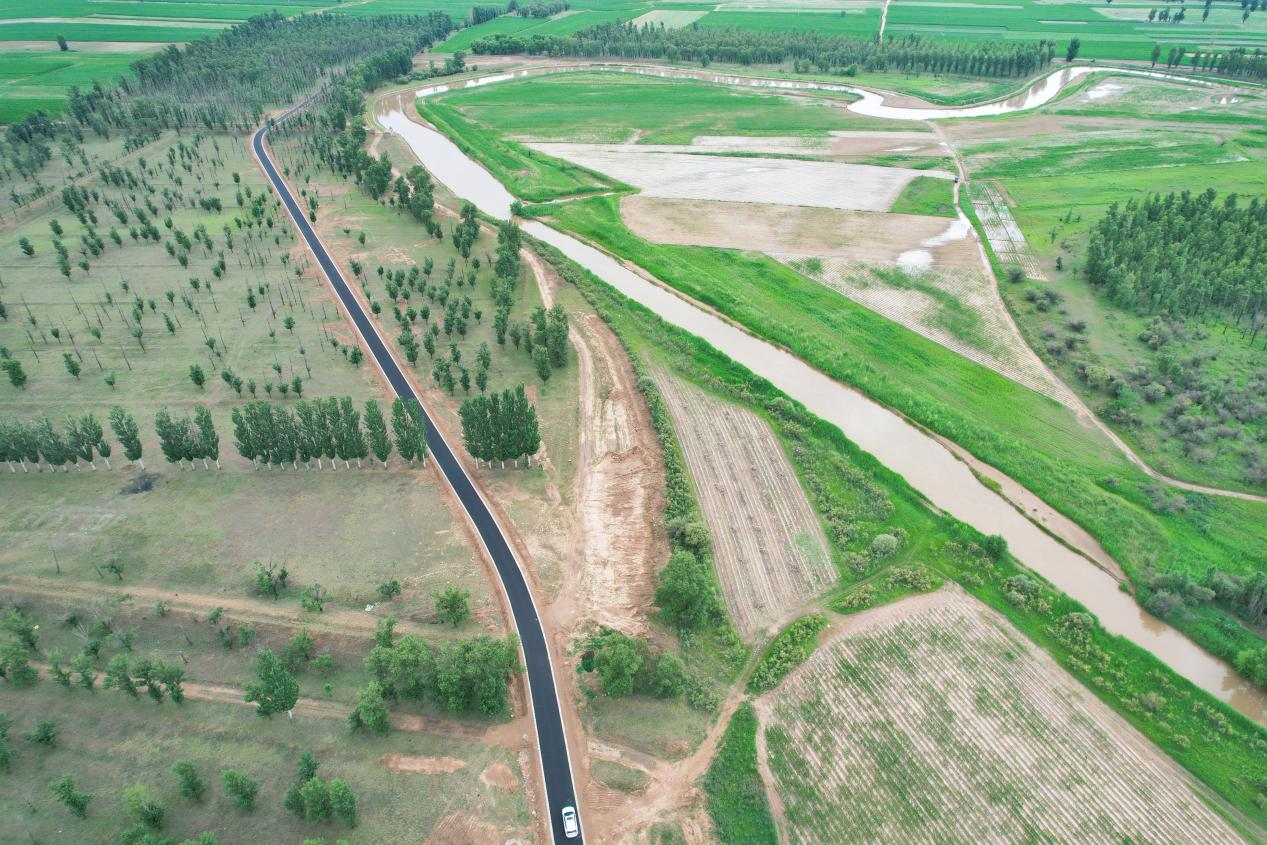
(926,464)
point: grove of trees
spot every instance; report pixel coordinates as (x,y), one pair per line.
(809,48)
(500,427)
(329,428)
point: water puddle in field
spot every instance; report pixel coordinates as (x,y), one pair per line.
(925,463)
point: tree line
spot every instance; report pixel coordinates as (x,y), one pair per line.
(1183,255)
(331,429)
(828,53)
(500,427)
(1237,62)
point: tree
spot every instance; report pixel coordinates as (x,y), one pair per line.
(143,806)
(376,427)
(370,711)
(197,376)
(191,785)
(388,590)
(25,244)
(241,788)
(307,766)
(617,660)
(557,336)
(1075,44)
(17,375)
(126,430)
(45,733)
(343,802)
(316,796)
(276,689)
(452,605)
(63,46)
(72,365)
(403,431)
(313,598)
(208,440)
(15,665)
(685,593)
(75,801)
(669,678)
(1156,54)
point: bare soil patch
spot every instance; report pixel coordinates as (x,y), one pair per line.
(861,143)
(499,776)
(795,231)
(771,554)
(933,720)
(459,828)
(669,171)
(413,764)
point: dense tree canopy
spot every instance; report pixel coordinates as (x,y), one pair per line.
(828,53)
(1183,254)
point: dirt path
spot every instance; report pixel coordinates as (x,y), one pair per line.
(331,620)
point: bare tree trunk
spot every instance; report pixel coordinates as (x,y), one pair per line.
(205,465)
(107,460)
(141,461)
(217,463)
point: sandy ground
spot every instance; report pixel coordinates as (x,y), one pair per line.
(846,143)
(769,550)
(792,231)
(667,171)
(937,700)
(415,764)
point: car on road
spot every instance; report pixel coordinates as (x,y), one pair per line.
(571,829)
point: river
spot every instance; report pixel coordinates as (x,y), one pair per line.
(925,463)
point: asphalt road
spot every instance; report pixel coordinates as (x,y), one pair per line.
(544,701)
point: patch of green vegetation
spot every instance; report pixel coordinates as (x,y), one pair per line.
(952,315)
(618,776)
(789,649)
(1216,743)
(529,174)
(611,107)
(887,586)
(736,797)
(1076,470)
(927,195)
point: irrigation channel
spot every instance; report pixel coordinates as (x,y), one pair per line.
(925,463)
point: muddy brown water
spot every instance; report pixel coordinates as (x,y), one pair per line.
(925,463)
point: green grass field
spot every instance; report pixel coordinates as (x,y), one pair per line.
(610,108)
(926,195)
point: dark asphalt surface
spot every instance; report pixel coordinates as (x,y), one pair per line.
(551,742)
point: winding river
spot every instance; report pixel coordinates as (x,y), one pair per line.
(925,463)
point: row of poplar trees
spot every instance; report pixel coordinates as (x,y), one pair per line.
(500,427)
(326,429)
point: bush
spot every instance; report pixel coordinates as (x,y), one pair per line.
(788,650)
(686,594)
(735,795)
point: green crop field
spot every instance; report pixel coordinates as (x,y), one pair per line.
(1116,31)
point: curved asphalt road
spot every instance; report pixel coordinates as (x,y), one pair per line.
(543,699)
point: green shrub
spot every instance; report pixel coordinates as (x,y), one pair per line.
(789,649)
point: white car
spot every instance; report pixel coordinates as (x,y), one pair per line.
(570,827)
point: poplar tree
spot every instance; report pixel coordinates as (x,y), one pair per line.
(126,430)
(207,437)
(403,431)
(376,427)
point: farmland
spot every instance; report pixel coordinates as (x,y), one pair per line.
(944,725)
(770,551)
